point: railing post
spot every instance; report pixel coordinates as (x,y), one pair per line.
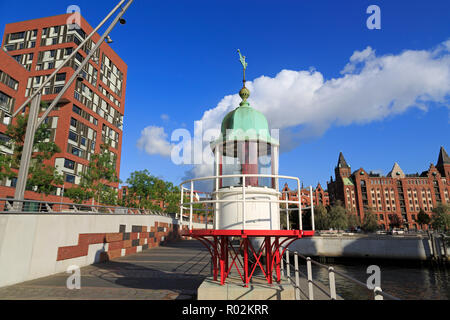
(332,282)
(287,212)
(283,272)
(299,195)
(288,266)
(191,206)
(310,283)
(243,203)
(376,293)
(181,206)
(312,208)
(297,278)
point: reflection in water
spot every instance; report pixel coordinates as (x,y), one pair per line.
(408,283)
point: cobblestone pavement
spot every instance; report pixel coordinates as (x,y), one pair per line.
(173,271)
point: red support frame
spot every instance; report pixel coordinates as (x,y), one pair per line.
(221,249)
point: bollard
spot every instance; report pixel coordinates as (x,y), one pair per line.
(332,283)
(376,293)
(288,266)
(310,284)
(297,278)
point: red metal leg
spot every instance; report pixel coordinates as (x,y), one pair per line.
(268,260)
(246,262)
(222,260)
(277,260)
(226,254)
(215,259)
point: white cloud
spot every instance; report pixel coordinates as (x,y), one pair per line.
(378,87)
(153,141)
(165,117)
(302,104)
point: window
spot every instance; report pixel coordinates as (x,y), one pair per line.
(70,178)
(57,90)
(52,53)
(51,65)
(73,136)
(69,51)
(76,109)
(69,164)
(76,152)
(32,44)
(17,35)
(73,122)
(83,141)
(60,77)
(6,102)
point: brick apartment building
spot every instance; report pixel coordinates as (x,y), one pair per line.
(89,113)
(320,196)
(396,193)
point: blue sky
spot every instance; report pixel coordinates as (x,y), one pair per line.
(182,61)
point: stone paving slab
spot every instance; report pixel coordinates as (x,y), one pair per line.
(173,271)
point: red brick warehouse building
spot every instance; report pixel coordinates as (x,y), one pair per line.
(320,196)
(396,193)
(89,113)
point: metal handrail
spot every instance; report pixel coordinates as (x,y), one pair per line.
(46,207)
(244,200)
(377,292)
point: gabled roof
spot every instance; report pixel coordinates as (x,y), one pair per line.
(341,162)
(443,158)
(396,172)
(348,182)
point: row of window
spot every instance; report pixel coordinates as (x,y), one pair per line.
(8,80)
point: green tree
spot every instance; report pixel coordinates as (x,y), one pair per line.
(423,218)
(370,223)
(321,218)
(337,217)
(43,178)
(145,188)
(78,194)
(441,218)
(353,221)
(395,220)
(101,171)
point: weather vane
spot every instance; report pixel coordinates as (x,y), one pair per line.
(244,64)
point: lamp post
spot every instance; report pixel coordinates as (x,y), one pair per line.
(33,121)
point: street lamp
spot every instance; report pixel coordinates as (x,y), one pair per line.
(35,98)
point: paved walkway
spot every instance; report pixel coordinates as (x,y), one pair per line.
(173,271)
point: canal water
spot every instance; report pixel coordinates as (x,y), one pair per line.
(405,280)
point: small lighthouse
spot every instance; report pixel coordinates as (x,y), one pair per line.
(245,155)
(245,200)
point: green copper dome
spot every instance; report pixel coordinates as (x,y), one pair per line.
(245,123)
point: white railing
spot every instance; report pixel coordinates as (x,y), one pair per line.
(13,206)
(213,198)
(377,293)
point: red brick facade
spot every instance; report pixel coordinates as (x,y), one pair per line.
(91,111)
(122,243)
(320,196)
(397,193)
